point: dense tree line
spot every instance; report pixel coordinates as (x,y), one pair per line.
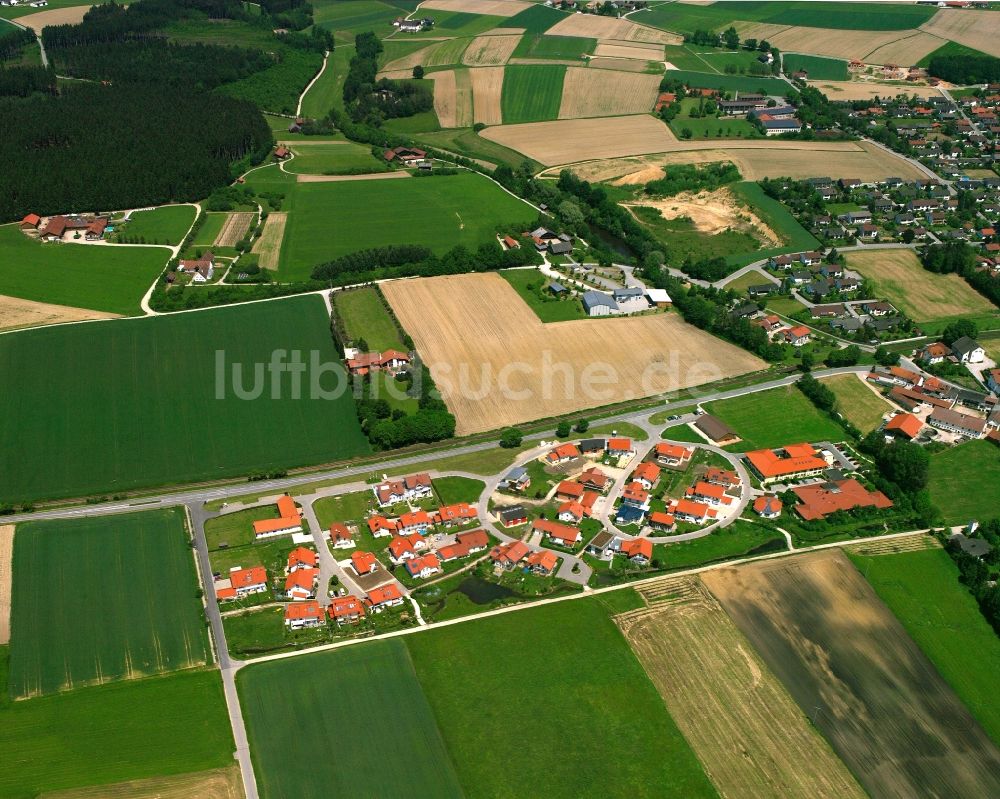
(977,573)
(13,40)
(965,68)
(25,81)
(691,177)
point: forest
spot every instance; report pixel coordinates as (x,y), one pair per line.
(964,69)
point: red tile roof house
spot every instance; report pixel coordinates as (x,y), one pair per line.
(385,596)
(364,562)
(595,479)
(346,610)
(767,506)
(460,513)
(300,615)
(904,425)
(404,547)
(662,521)
(562,453)
(507,556)
(709,493)
(797,336)
(388,361)
(638,550)
(934,353)
(770,323)
(561,534)
(200,269)
(572,512)
(301,558)
(405,155)
(415,522)
(58,226)
(617,447)
(635,494)
(423,567)
(379,526)
(726,478)
(465,544)
(341,537)
(788,463)
(31,222)
(673,455)
(289,521)
(647,474)
(281,153)
(241,583)
(542,562)
(410,488)
(821,499)
(569,490)
(301,584)
(688,511)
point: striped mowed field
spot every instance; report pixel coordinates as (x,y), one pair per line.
(102,599)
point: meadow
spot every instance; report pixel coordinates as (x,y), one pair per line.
(730,83)
(459,24)
(468,141)
(365,317)
(111,279)
(776,217)
(155,727)
(210,229)
(134,403)
(78,615)
(458,489)
(954,470)
(546,307)
(342,712)
(574,675)
(167,224)
(347,19)
(923,590)
(774,418)
(326,93)
(859,404)
(333,158)
(819,68)
(541,46)
(537,19)
(532,93)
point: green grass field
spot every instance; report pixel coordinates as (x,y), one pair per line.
(549,309)
(124,731)
(358,717)
(923,590)
(538,45)
(713,59)
(456,24)
(536,19)
(347,19)
(819,68)
(862,406)
(531,93)
(751,278)
(210,228)
(165,225)
(111,279)
(328,91)
(110,406)
(776,217)
(774,418)
(366,317)
(729,83)
(950,48)
(965,482)
(235,529)
(578,688)
(458,489)
(713,128)
(351,507)
(470,143)
(102,599)
(334,158)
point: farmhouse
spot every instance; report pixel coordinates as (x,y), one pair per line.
(903,425)
(562,453)
(364,562)
(673,455)
(958,423)
(300,615)
(241,583)
(289,521)
(201,269)
(385,596)
(560,534)
(341,537)
(542,562)
(788,463)
(716,430)
(820,500)
(424,566)
(410,489)
(405,155)
(389,361)
(346,609)
(507,556)
(301,584)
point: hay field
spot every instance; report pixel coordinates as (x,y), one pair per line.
(975,29)
(219,783)
(493,8)
(595,93)
(906,51)
(866,90)
(638,356)
(268,245)
(849,664)
(567,140)
(54,16)
(234,228)
(924,296)
(439,54)
(16,313)
(489,51)
(845,43)
(591,26)
(487,88)
(613,49)
(748,733)
(6,560)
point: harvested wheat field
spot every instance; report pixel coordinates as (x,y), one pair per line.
(596,93)
(516,369)
(566,140)
(619,64)
(924,296)
(407,62)
(908,50)
(979,30)
(16,313)
(748,733)
(493,8)
(268,245)
(850,665)
(487,86)
(54,16)
(591,26)
(843,43)
(6,559)
(866,90)
(713,212)
(489,51)
(220,783)
(453,97)
(642,52)
(234,228)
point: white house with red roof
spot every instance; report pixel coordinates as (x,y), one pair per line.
(405,547)
(385,596)
(241,583)
(341,537)
(620,447)
(562,453)
(687,510)
(673,455)
(362,363)
(561,534)
(411,488)
(414,522)
(638,550)
(459,513)
(364,562)
(709,493)
(380,526)
(300,615)
(542,562)
(423,567)
(301,584)
(346,609)
(646,474)
(301,558)
(289,520)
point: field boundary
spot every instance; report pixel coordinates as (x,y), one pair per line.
(6,580)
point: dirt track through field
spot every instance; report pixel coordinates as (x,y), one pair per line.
(6,580)
(850,665)
(591,26)
(268,245)
(341,178)
(15,313)
(221,783)
(515,368)
(489,51)
(234,229)
(595,93)
(54,16)
(975,29)
(487,88)
(748,733)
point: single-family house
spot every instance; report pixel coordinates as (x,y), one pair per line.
(560,534)
(385,596)
(391,361)
(968,351)
(726,478)
(629,514)
(562,453)
(241,583)
(569,490)
(674,456)
(619,447)
(517,479)
(459,513)
(709,493)
(797,336)
(424,566)
(635,494)
(664,522)
(201,269)
(542,562)
(647,474)
(594,479)
(512,515)
(301,558)
(404,547)
(346,609)
(767,506)
(302,615)
(301,584)
(380,526)
(571,512)
(341,537)
(933,353)
(364,562)
(688,510)
(592,446)
(414,522)
(507,556)
(638,550)
(411,488)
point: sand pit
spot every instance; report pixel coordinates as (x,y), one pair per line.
(54,16)
(867,90)
(565,141)
(6,560)
(493,8)
(268,245)
(847,44)
(641,176)
(16,313)
(516,369)
(712,213)
(627,50)
(489,51)
(487,85)
(234,229)
(596,93)
(592,26)
(975,29)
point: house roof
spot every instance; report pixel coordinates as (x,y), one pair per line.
(635,492)
(905,423)
(428,561)
(339,532)
(512,552)
(658,517)
(345,606)
(303,611)
(245,578)
(964,346)
(303,578)
(301,555)
(714,428)
(821,499)
(971,424)
(767,504)
(792,459)
(384,593)
(377,523)
(647,471)
(620,444)
(638,547)
(512,512)
(363,561)
(459,511)
(562,532)
(570,488)
(665,450)
(543,559)
(563,451)
(595,299)
(689,507)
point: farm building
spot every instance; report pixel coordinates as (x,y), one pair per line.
(716,430)
(390,361)
(597,304)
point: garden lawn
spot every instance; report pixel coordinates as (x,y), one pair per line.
(365,317)
(774,418)
(342,712)
(737,540)
(862,406)
(125,731)
(437,212)
(111,279)
(819,68)
(546,307)
(236,529)
(78,615)
(344,508)
(333,158)
(923,590)
(531,93)
(573,675)
(965,482)
(458,489)
(134,403)
(165,225)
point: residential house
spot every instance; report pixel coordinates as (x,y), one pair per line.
(559,534)
(301,558)
(635,494)
(391,361)
(647,474)
(517,479)
(562,453)
(769,323)
(674,456)
(460,513)
(341,537)
(201,269)
(571,512)
(664,522)
(726,478)
(594,479)
(819,500)
(797,336)
(877,308)
(709,493)
(592,446)
(507,556)
(30,222)
(629,514)
(346,609)
(512,515)
(767,506)
(241,583)
(405,155)
(968,351)
(364,562)
(301,584)
(466,544)
(385,596)
(423,567)
(601,543)
(792,462)
(414,522)
(687,510)
(958,423)
(638,550)
(379,526)
(569,490)
(302,615)
(289,520)
(620,447)
(404,547)
(411,488)
(542,562)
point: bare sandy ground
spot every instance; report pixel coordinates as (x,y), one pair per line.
(54,16)
(221,783)
(15,313)
(712,213)
(6,578)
